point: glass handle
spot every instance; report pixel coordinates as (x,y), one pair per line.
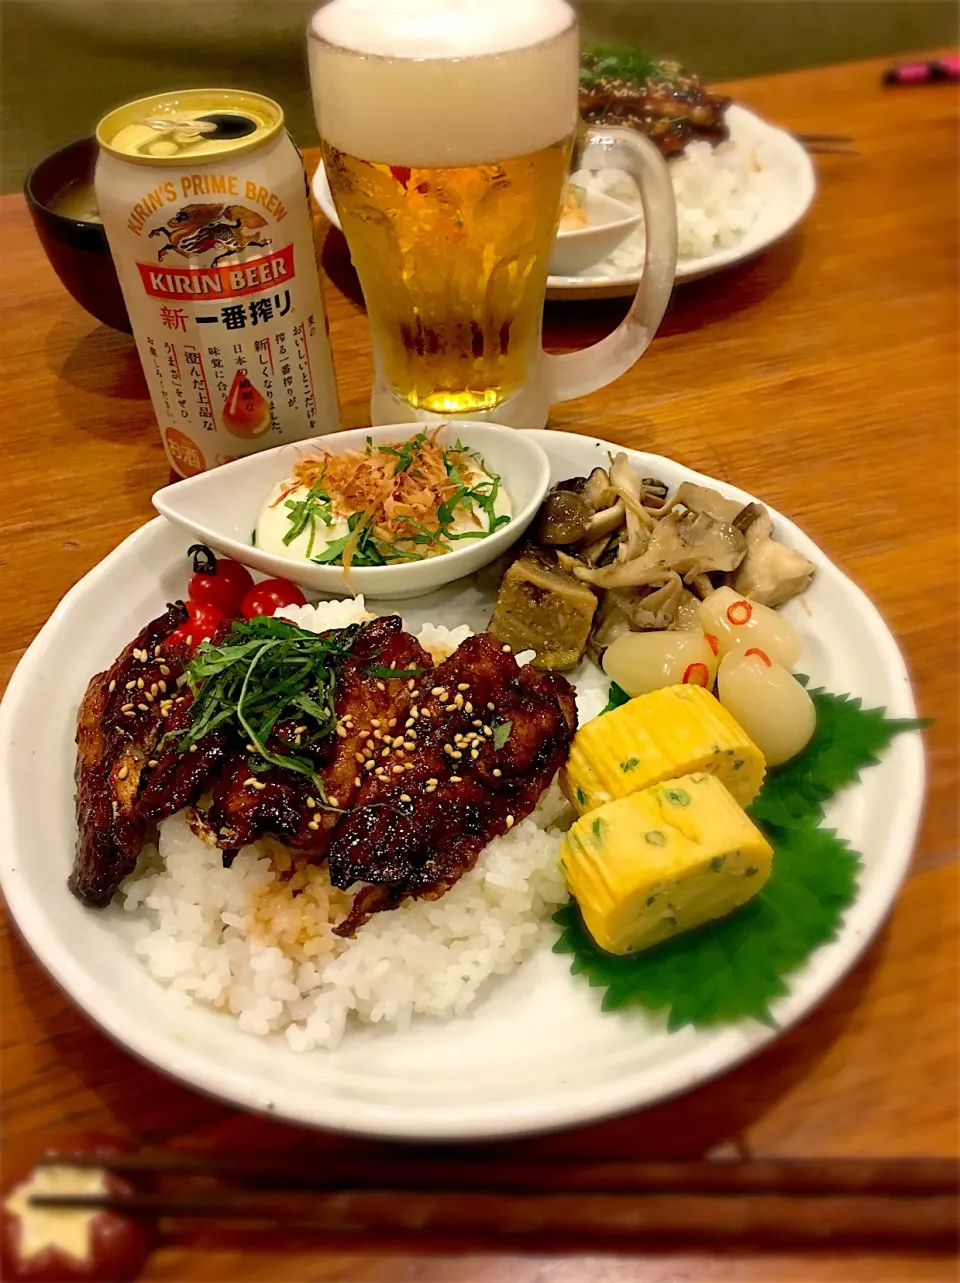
(577,373)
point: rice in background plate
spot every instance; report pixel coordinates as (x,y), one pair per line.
(256,940)
(720,192)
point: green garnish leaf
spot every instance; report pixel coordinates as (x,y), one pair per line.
(501,733)
(615,62)
(848,737)
(616,698)
(332,552)
(264,671)
(629,765)
(407,453)
(735,967)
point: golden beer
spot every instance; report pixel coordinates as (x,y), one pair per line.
(453,264)
(447,132)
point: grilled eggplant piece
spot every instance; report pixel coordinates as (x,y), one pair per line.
(121,719)
(490,737)
(543,608)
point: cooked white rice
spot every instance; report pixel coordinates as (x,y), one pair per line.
(720,192)
(256,939)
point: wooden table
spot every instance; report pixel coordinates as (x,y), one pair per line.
(822,377)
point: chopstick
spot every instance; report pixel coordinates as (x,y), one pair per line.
(825,1178)
(776,1200)
(827,144)
(823,138)
(917,1221)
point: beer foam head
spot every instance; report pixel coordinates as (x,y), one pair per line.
(440,28)
(444,82)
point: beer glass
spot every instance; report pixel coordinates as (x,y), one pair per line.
(447,129)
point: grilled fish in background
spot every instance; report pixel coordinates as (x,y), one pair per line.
(394,831)
(659,99)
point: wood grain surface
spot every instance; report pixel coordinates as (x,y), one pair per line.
(821,377)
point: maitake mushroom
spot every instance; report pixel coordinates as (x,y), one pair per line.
(650,560)
(690,543)
(770,573)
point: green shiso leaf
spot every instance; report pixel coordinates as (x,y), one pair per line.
(264,670)
(616,698)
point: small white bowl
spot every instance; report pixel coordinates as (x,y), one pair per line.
(609,223)
(221,507)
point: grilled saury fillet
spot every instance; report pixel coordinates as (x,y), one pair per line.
(422,772)
(486,740)
(121,719)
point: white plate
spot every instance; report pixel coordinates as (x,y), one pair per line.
(792,189)
(537,1052)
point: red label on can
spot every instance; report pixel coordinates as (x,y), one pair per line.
(226,281)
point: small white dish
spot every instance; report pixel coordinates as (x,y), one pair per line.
(792,188)
(609,222)
(790,192)
(536,1051)
(221,507)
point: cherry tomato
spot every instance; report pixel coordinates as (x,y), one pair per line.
(202,623)
(217,582)
(51,1246)
(269,595)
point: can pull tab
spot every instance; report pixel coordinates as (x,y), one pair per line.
(179,132)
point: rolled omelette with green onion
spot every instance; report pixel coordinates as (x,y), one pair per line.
(663,861)
(667,732)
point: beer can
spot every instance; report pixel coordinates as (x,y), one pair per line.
(205,206)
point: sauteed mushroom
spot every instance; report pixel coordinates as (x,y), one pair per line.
(691,543)
(596,490)
(701,499)
(564,519)
(770,573)
(603,523)
(650,558)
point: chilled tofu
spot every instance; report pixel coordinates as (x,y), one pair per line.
(657,736)
(542,608)
(649,866)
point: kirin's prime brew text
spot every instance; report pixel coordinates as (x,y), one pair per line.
(205,206)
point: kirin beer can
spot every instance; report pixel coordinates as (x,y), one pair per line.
(205,205)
